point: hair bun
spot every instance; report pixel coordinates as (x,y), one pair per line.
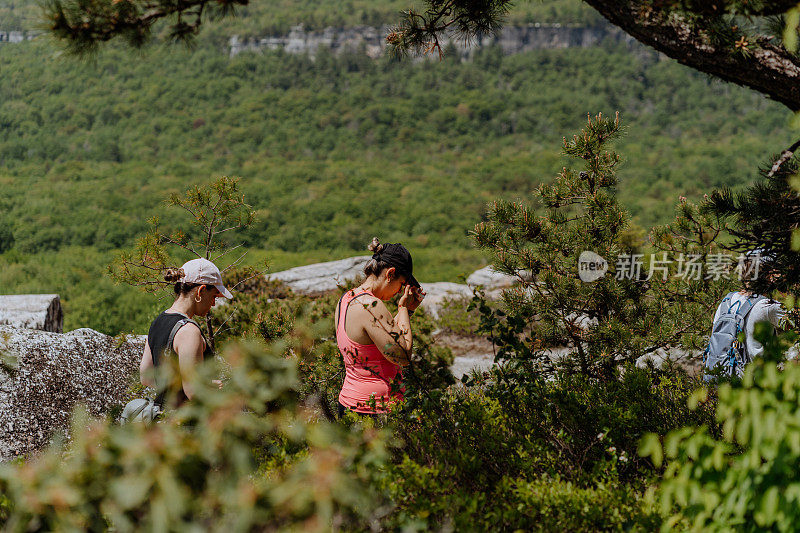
(375,246)
(173,274)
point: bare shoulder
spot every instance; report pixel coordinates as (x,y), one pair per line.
(367,304)
(189,333)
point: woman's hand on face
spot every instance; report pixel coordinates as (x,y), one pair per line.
(411,298)
(417,295)
(407,299)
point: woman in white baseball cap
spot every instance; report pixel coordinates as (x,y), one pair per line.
(198,283)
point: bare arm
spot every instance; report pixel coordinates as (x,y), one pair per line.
(392,335)
(146,368)
(189,346)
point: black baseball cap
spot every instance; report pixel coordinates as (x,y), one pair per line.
(396,255)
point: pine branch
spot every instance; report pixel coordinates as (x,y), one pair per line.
(84,24)
(786,155)
(257,274)
(767,68)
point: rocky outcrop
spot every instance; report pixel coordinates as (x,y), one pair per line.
(32,311)
(490,279)
(436,294)
(320,278)
(688,359)
(14,37)
(492,282)
(44,375)
(511,40)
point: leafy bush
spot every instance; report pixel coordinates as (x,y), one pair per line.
(199,469)
(482,454)
(457,318)
(747,476)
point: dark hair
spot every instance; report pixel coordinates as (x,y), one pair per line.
(174,274)
(375,266)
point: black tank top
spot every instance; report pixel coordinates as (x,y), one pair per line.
(158,340)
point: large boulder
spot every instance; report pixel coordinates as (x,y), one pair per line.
(32,311)
(436,294)
(322,277)
(45,375)
(490,279)
(690,360)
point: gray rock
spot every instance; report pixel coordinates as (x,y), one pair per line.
(436,294)
(322,277)
(463,365)
(689,359)
(50,373)
(14,37)
(32,311)
(490,279)
(512,39)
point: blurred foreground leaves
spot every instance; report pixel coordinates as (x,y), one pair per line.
(241,458)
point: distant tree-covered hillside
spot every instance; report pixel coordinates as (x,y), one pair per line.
(332,151)
(336,150)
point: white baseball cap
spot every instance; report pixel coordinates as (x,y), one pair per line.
(204,272)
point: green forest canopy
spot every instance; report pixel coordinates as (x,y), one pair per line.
(333,151)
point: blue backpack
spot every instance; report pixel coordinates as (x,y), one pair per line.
(724,347)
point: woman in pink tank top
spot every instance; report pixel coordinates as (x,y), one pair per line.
(374,344)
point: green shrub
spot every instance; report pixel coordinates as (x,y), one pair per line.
(238,459)
(455,317)
(469,452)
(552,504)
(746,478)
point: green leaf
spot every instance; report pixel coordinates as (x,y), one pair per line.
(768,507)
(790,31)
(650,446)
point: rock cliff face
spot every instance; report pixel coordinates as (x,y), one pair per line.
(16,36)
(32,311)
(45,375)
(512,40)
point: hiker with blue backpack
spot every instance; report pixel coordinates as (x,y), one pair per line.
(726,354)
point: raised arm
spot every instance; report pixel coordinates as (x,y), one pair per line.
(392,335)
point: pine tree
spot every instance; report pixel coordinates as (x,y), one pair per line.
(607,321)
(766,217)
(214,211)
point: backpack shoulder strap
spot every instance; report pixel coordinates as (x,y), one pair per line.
(724,304)
(744,312)
(748,305)
(178,325)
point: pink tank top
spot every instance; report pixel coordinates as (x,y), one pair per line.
(368,374)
